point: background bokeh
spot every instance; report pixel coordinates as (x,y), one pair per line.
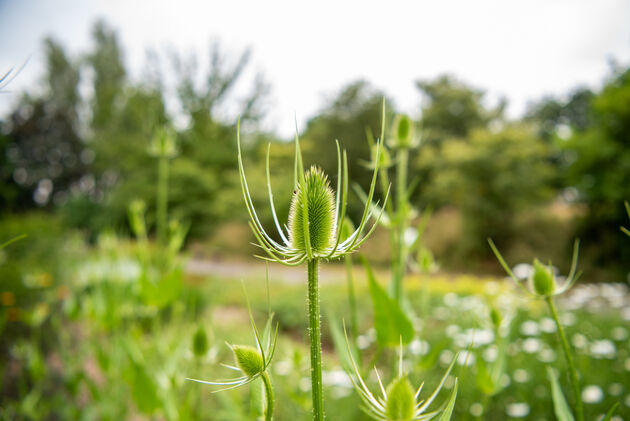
(523,117)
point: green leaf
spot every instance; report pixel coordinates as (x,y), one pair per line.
(164,291)
(610,412)
(143,388)
(430,359)
(484,380)
(560,406)
(391,323)
(13,240)
(448,410)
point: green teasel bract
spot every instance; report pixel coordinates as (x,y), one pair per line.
(316,219)
(398,401)
(252,362)
(543,282)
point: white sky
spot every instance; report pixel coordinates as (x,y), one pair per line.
(308,50)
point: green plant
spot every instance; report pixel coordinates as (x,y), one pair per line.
(316,221)
(399,401)
(624,229)
(543,284)
(253,363)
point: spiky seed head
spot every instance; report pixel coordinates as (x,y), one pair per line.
(384,160)
(495,317)
(401,400)
(322,218)
(164,143)
(542,281)
(402,135)
(200,342)
(248,359)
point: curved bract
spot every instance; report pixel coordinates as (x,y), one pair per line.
(543,282)
(317,215)
(399,401)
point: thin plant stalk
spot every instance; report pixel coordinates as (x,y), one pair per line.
(315,338)
(575,384)
(269,396)
(402,158)
(162,199)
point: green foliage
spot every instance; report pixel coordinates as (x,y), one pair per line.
(490,176)
(346,117)
(390,321)
(598,166)
(560,406)
(453,109)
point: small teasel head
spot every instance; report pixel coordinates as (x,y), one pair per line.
(320,213)
(543,283)
(495,317)
(200,342)
(542,280)
(401,399)
(164,143)
(403,133)
(249,360)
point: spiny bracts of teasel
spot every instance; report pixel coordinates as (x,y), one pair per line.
(316,214)
(543,283)
(322,218)
(399,401)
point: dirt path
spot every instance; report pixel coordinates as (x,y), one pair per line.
(255,269)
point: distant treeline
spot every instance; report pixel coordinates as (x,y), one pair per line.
(79,147)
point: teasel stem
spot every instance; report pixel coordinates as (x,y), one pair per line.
(162,199)
(269,396)
(401,223)
(577,397)
(316,342)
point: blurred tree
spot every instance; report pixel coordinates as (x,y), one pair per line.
(552,114)
(109,76)
(453,108)
(598,166)
(489,176)
(44,156)
(347,117)
(125,116)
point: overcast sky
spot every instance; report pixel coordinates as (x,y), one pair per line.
(521,50)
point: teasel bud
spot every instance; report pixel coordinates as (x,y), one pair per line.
(249,360)
(320,214)
(200,342)
(496,318)
(385,159)
(164,143)
(403,133)
(401,400)
(542,281)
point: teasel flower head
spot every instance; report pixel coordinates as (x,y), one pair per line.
(251,362)
(399,401)
(316,215)
(543,282)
